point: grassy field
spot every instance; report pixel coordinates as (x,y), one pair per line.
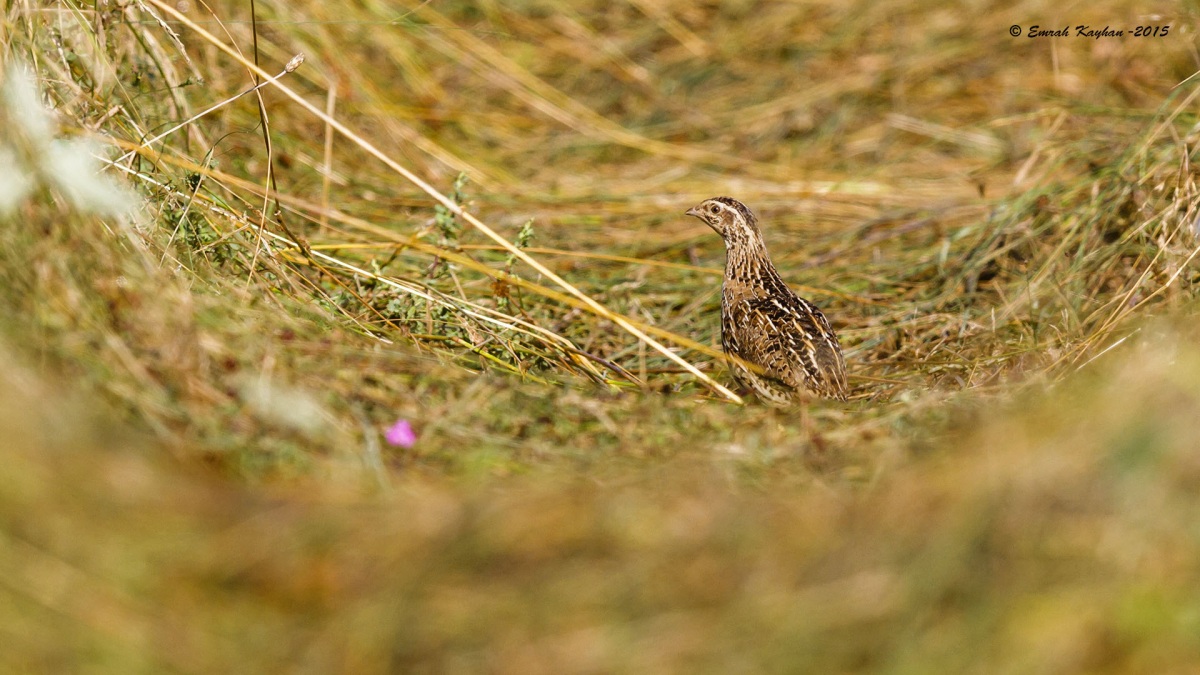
(467,217)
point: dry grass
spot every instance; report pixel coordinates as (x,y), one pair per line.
(1002,229)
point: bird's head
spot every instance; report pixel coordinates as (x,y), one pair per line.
(729,217)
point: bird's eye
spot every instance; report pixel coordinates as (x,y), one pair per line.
(714,209)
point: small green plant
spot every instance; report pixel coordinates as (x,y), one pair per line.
(448,227)
(501,289)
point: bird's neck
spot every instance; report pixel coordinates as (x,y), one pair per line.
(747,262)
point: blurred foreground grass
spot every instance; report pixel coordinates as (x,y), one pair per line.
(194,403)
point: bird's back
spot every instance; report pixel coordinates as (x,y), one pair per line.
(788,343)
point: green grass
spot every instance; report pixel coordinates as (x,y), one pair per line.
(194,397)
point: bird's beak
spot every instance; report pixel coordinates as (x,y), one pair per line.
(694,211)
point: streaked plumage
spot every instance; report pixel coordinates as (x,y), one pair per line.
(788,342)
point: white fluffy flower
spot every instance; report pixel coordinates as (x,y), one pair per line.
(34,156)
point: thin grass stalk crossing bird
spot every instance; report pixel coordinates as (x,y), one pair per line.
(782,346)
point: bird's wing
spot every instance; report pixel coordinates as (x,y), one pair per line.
(794,343)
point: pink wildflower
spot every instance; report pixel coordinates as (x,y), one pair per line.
(401,434)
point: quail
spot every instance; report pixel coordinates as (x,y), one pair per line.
(781,346)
